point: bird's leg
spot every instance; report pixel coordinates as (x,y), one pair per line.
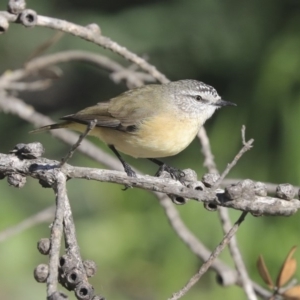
(175,173)
(127,168)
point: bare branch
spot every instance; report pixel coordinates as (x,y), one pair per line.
(46,45)
(225,219)
(243,130)
(90,35)
(73,257)
(236,255)
(209,162)
(89,128)
(41,217)
(212,257)
(247,146)
(45,169)
(26,112)
(228,277)
(56,233)
(132,77)
(28,86)
(271,187)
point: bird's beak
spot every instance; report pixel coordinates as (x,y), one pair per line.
(224,103)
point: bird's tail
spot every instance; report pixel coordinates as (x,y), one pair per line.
(52,126)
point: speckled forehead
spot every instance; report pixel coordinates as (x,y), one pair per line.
(193,88)
(206,90)
(181,90)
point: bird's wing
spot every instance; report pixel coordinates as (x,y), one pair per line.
(124,112)
(97,112)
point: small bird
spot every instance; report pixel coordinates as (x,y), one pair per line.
(152,121)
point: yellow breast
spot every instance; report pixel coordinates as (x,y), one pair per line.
(156,137)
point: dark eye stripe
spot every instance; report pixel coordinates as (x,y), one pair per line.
(200,99)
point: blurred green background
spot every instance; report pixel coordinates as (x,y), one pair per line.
(250,52)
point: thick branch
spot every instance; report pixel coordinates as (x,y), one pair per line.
(56,234)
(46,170)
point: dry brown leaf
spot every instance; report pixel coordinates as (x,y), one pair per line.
(264,273)
(288,269)
(292,293)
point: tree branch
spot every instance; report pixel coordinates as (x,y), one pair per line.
(45,170)
(42,216)
(212,257)
(88,33)
(56,233)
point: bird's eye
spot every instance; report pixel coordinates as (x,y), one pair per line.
(199,98)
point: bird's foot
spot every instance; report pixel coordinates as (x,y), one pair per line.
(130,173)
(127,168)
(176,174)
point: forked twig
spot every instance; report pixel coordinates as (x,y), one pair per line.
(225,219)
(246,147)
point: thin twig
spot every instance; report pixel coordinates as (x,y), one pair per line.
(243,130)
(41,48)
(228,277)
(211,259)
(56,234)
(29,86)
(89,128)
(41,217)
(209,161)
(236,256)
(88,34)
(26,112)
(225,219)
(247,146)
(132,77)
